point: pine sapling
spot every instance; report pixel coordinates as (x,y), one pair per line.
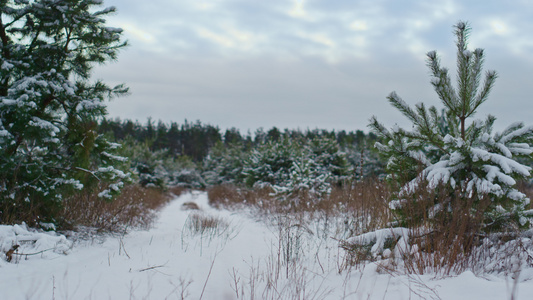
(455,155)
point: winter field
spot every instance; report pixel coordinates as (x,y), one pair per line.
(210,253)
(439,211)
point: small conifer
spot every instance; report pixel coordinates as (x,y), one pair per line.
(449,151)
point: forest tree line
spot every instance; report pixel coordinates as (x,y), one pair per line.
(197,155)
(195,139)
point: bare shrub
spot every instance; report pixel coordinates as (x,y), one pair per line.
(201,229)
(20,210)
(134,207)
(444,235)
(175,191)
(444,230)
(367,199)
(190,206)
(223,195)
(199,223)
(365,204)
(231,196)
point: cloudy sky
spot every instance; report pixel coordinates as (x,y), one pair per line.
(309,64)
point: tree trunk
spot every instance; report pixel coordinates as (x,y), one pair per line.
(463,119)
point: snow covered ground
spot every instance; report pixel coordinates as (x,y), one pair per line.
(239,258)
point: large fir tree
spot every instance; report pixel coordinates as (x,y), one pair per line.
(49,146)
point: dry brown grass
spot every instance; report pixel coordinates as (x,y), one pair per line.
(447,243)
(200,223)
(16,211)
(366,202)
(443,244)
(231,196)
(134,207)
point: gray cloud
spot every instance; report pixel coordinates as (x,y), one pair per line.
(306,63)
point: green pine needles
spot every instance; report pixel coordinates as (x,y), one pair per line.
(49,147)
(453,156)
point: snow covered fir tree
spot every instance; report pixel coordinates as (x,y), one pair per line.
(299,172)
(455,157)
(49,107)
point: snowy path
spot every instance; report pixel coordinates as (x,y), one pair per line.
(159,264)
(120,268)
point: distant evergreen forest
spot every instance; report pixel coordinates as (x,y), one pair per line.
(198,155)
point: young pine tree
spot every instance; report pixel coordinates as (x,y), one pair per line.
(455,155)
(49,147)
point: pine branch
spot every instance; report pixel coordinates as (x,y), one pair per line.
(490,78)
(476,71)
(378,128)
(397,102)
(442,84)
(425,127)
